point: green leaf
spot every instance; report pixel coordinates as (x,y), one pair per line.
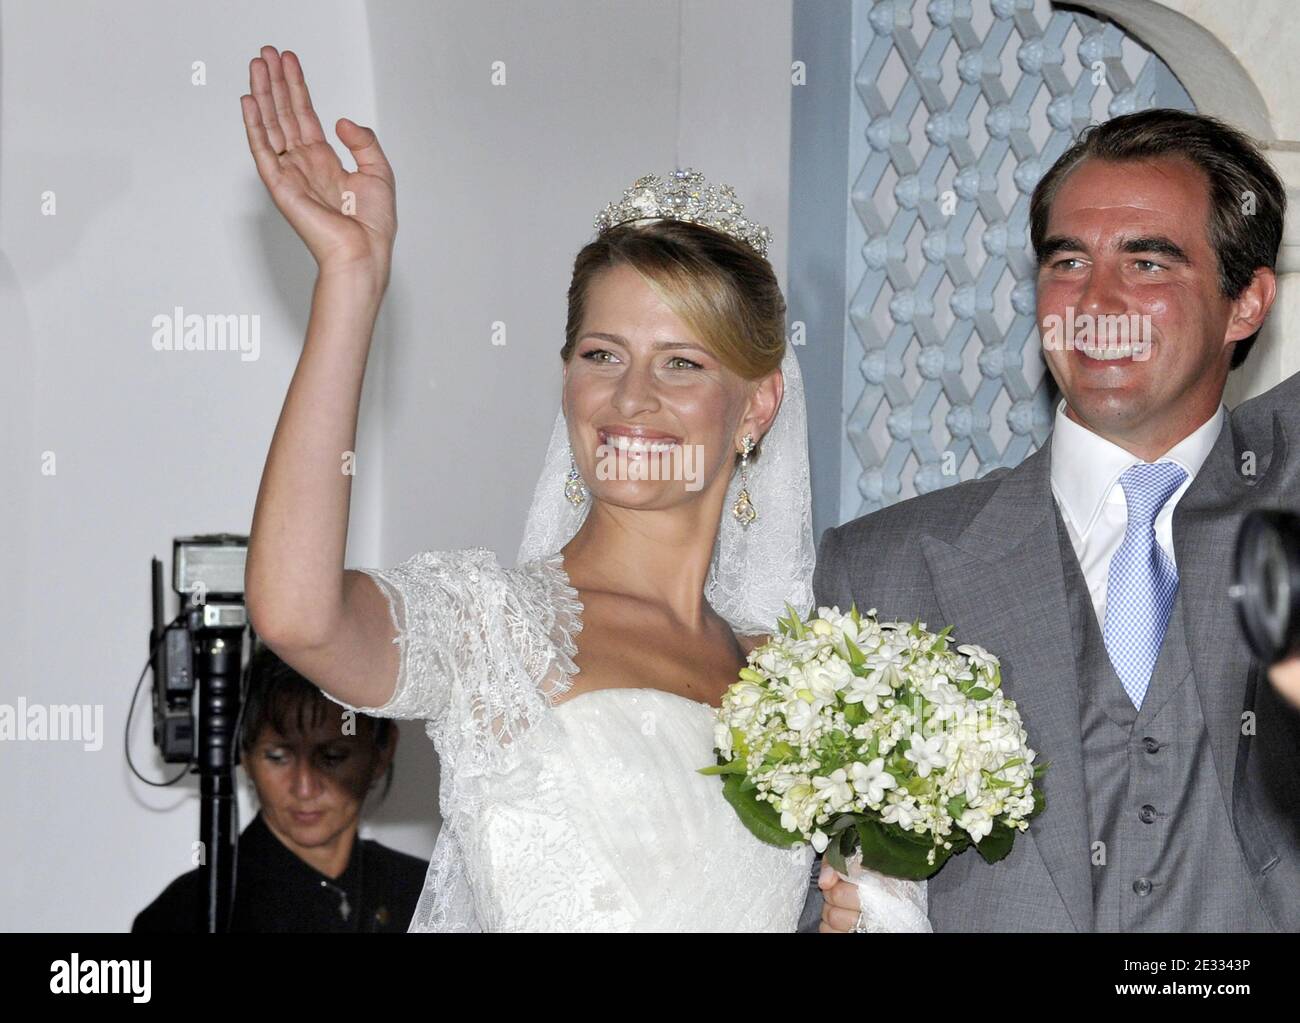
(730,767)
(896,856)
(916,785)
(796,622)
(835,854)
(856,657)
(979,693)
(855,713)
(844,820)
(996,844)
(760,817)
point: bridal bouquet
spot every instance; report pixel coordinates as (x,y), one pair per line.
(875,740)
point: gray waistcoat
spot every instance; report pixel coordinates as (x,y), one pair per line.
(1164,855)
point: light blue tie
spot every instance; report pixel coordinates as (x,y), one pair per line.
(1143,579)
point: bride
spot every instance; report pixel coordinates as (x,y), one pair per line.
(571,699)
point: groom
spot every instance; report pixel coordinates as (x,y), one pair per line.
(1098,569)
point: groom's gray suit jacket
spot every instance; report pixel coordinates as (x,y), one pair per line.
(988,557)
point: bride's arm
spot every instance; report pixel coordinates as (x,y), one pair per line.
(331,625)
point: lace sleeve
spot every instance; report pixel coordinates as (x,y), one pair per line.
(891,904)
(437,603)
(484,651)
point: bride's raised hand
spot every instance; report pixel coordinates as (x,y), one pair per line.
(347,218)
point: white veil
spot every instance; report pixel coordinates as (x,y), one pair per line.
(754,571)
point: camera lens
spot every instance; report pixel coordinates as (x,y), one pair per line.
(1267,578)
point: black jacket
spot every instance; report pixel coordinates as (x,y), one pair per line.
(275,891)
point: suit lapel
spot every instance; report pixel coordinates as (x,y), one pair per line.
(1205,527)
(1002,585)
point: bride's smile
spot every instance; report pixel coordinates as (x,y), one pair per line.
(636,440)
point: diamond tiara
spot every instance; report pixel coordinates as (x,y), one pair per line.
(685,196)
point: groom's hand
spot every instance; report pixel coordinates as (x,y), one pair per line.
(840,908)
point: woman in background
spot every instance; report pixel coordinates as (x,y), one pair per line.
(300,865)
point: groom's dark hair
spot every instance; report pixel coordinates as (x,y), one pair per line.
(1247,200)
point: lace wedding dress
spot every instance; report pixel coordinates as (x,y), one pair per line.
(582,814)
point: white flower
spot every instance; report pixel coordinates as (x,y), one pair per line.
(976,822)
(869,689)
(781,780)
(746,694)
(872,779)
(722,738)
(1001,735)
(773,661)
(901,811)
(800,715)
(926,754)
(835,791)
(947,699)
(796,807)
(828,677)
(890,654)
(820,840)
(980,658)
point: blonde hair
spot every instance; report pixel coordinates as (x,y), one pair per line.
(721,288)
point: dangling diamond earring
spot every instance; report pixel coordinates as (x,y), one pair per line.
(574,489)
(743,509)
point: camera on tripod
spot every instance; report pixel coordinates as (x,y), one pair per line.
(198,664)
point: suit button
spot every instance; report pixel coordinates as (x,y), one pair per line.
(1142,886)
(1147,814)
(1150,745)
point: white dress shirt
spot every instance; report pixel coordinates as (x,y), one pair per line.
(1085,482)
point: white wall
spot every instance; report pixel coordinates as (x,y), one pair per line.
(158,205)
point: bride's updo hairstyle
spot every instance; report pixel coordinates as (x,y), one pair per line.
(717,285)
